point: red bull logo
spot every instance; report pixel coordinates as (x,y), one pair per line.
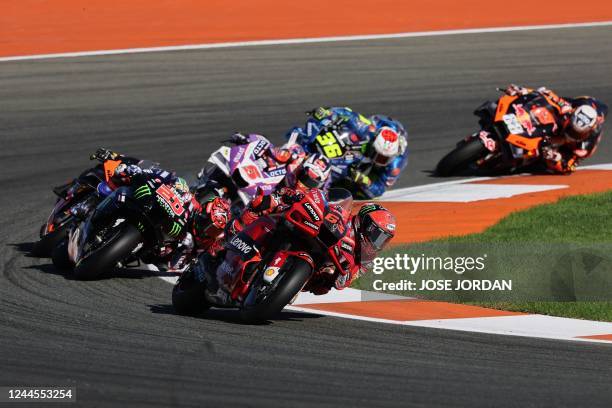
(524,119)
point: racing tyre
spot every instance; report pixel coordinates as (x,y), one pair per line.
(60,257)
(188,296)
(286,287)
(106,257)
(460,158)
(45,246)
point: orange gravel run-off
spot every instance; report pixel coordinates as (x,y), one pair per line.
(419,222)
(53,26)
(404,310)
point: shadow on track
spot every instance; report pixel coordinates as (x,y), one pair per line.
(117,273)
(233,316)
(25,248)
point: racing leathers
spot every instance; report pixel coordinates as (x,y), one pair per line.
(347,138)
(561,153)
(222,275)
(288,154)
(203,225)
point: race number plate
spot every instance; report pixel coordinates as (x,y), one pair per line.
(330,145)
(513,124)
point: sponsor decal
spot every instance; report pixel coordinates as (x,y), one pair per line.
(311,225)
(524,119)
(270,273)
(488,142)
(312,212)
(321,113)
(259,148)
(513,124)
(176,229)
(316,196)
(277,172)
(346,247)
(240,244)
(239,155)
(142,191)
(251,172)
(168,197)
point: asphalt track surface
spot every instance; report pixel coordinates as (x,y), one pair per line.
(118,341)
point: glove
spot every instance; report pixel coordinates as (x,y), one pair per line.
(514,90)
(261,203)
(103,155)
(239,139)
(360,178)
(548,153)
(322,281)
(290,196)
(319,113)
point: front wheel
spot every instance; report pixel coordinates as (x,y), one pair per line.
(106,257)
(459,159)
(47,242)
(283,289)
(60,257)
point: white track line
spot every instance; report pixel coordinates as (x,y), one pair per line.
(532,325)
(397,194)
(305,41)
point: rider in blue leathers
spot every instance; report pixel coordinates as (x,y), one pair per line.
(367,154)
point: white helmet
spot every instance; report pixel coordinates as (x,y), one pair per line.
(312,173)
(386,146)
(584,120)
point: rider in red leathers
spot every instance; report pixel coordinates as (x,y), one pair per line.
(364,235)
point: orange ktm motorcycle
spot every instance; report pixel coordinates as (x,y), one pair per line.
(513,130)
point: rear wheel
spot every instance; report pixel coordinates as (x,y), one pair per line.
(459,159)
(106,257)
(284,288)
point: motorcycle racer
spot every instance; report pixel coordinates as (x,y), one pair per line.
(369,153)
(288,154)
(576,129)
(312,173)
(204,224)
(236,172)
(364,235)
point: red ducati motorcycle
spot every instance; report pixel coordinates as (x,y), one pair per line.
(274,258)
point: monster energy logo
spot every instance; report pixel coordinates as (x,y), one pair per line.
(142,191)
(368,208)
(176,228)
